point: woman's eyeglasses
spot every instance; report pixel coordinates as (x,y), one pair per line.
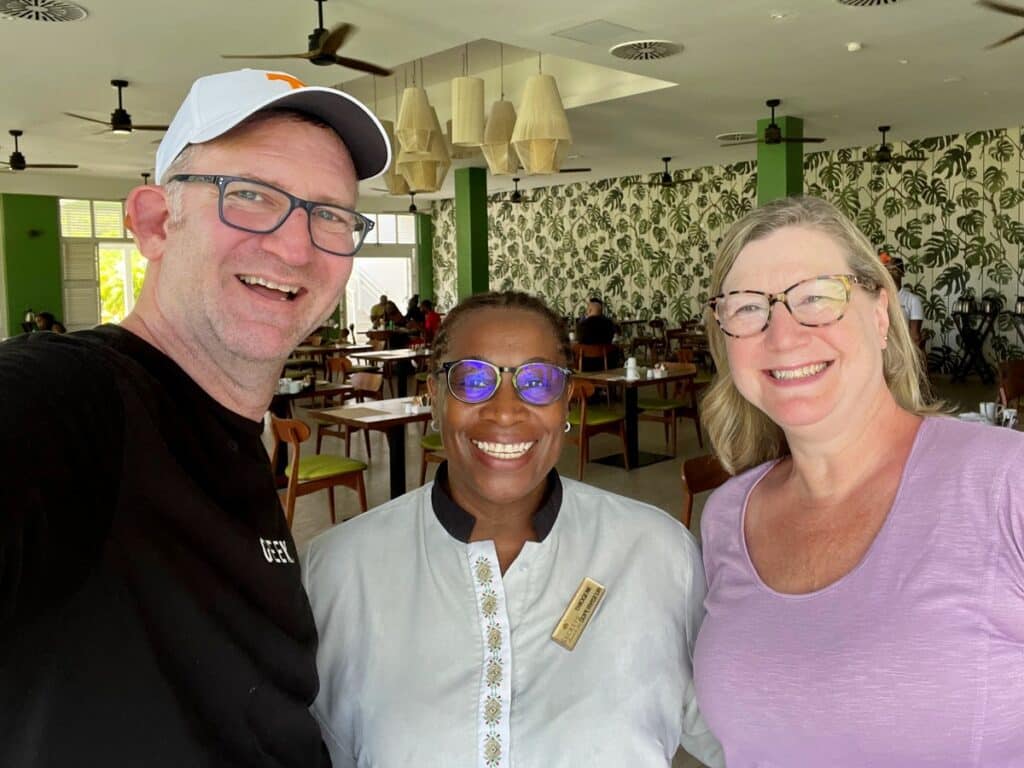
(814,302)
(477,381)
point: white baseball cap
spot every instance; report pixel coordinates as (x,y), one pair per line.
(217,103)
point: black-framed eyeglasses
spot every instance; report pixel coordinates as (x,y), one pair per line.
(261,208)
(814,302)
(476,381)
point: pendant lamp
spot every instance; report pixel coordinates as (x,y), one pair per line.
(457,152)
(497,148)
(541,135)
(414,129)
(425,171)
(393,180)
(467,111)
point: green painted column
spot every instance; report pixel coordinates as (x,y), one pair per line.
(780,167)
(425,255)
(32,274)
(471,231)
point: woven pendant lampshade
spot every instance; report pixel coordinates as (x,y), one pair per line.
(413,129)
(393,180)
(467,111)
(497,147)
(541,137)
(457,152)
(425,171)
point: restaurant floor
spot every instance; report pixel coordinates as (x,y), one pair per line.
(657,484)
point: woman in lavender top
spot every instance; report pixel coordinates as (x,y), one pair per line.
(865,566)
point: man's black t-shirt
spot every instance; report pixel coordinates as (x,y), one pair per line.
(151,612)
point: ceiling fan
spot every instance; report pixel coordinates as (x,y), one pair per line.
(516,197)
(120,121)
(412,202)
(16,162)
(323,47)
(773,134)
(665,180)
(884,153)
(1011,10)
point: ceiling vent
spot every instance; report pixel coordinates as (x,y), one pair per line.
(645,50)
(41,10)
(866,2)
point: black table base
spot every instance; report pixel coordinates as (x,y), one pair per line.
(643,459)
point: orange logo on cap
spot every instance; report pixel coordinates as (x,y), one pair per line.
(294,82)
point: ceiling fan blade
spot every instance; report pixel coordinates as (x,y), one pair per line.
(303,55)
(802,140)
(136,127)
(49,165)
(1005,40)
(90,119)
(1013,10)
(741,143)
(361,66)
(909,159)
(575,170)
(333,40)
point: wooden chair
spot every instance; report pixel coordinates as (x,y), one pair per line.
(654,343)
(598,352)
(313,473)
(668,410)
(364,386)
(699,474)
(590,420)
(1011,382)
(433,451)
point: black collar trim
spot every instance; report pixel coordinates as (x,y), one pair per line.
(459,523)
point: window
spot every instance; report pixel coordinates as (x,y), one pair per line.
(392,229)
(121,269)
(92,218)
(372,277)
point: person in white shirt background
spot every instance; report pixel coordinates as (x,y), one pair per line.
(910,302)
(502,615)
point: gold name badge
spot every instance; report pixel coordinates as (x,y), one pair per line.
(580,611)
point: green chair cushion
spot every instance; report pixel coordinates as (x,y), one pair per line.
(322,465)
(595,415)
(432,442)
(422,376)
(660,404)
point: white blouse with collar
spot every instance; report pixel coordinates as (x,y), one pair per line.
(429,657)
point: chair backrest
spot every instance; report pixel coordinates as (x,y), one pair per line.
(581,390)
(1011,381)
(657,326)
(314,340)
(593,352)
(699,474)
(367,385)
(684,354)
(338,368)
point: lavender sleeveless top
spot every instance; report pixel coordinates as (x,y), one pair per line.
(915,658)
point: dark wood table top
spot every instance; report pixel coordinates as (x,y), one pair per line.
(331,349)
(392,355)
(673,372)
(319,389)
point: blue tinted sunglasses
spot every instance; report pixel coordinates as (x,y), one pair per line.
(477,381)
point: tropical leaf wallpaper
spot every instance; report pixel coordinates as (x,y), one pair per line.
(955,219)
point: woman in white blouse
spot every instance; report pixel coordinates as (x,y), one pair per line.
(465,624)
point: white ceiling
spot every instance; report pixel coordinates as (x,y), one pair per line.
(735,57)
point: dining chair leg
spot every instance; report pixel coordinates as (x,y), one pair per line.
(423,468)
(330,504)
(673,434)
(361,490)
(625,450)
(366,439)
(582,457)
(348,442)
(319,437)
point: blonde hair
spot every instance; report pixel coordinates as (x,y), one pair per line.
(742,435)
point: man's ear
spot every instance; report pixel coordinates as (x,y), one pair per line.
(147,216)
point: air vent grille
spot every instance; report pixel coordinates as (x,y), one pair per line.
(41,10)
(866,2)
(645,50)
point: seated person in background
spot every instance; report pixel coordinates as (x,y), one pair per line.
(597,328)
(431,320)
(58,327)
(910,302)
(436,611)
(379,310)
(393,315)
(413,314)
(45,321)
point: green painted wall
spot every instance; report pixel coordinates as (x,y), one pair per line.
(780,167)
(471,231)
(425,255)
(31,232)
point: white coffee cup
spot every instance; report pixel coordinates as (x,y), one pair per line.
(1009,417)
(990,411)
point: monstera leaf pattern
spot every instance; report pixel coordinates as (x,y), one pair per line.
(955,219)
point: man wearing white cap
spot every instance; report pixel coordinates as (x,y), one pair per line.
(151,612)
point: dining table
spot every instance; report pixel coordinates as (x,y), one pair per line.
(390,338)
(320,352)
(401,359)
(674,372)
(389,416)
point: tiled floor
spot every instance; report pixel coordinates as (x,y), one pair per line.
(657,484)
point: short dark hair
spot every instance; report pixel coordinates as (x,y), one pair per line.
(426,304)
(499,300)
(595,300)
